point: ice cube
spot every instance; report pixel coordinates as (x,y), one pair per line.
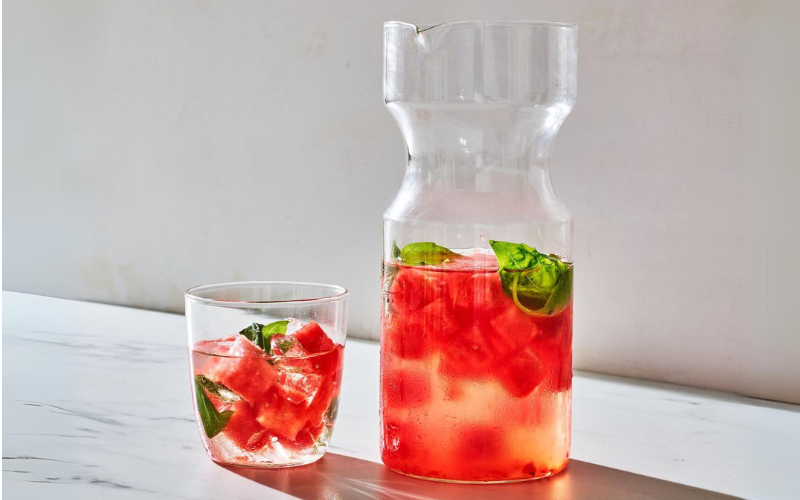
(283,345)
(299,388)
(294,325)
(243,347)
(220,347)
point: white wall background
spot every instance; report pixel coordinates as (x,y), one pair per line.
(151,146)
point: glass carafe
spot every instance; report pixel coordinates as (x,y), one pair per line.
(476,319)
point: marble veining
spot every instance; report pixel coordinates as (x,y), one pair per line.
(97,404)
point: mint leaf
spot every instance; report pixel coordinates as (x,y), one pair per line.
(426,253)
(260,334)
(539,284)
(395,251)
(218,390)
(213,420)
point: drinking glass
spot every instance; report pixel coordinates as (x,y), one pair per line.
(266,365)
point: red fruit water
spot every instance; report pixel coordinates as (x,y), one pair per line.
(473,388)
(283,407)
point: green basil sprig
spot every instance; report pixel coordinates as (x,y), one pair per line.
(426,253)
(261,335)
(213,421)
(539,284)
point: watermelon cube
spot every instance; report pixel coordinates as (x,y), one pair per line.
(280,416)
(247,372)
(413,288)
(329,367)
(520,372)
(313,338)
(478,298)
(467,354)
(243,428)
(512,329)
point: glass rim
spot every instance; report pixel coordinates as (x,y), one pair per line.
(421,28)
(269,357)
(337,293)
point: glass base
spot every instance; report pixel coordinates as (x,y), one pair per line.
(490,481)
(267,465)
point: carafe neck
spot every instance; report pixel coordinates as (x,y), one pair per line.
(477,138)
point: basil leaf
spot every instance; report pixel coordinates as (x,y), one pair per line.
(218,390)
(275,327)
(395,251)
(253,333)
(260,334)
(213,420)
(539,284)
(562,295)
(426,253)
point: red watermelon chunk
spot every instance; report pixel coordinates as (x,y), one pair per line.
(467,354)
(512,330)
(313,338)
(246,374)
(438,321)
(280,416)
(329,367)
(556,327)
(413,288)
(315,431)
(520,373)
(407,292)
(554,347)
(479,298)
(414,335)
(556,358)
(243,429)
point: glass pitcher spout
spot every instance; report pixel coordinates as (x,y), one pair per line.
(481,62)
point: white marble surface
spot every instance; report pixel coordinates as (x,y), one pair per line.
(97,404)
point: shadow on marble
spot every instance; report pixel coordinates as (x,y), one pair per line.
(341,477)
